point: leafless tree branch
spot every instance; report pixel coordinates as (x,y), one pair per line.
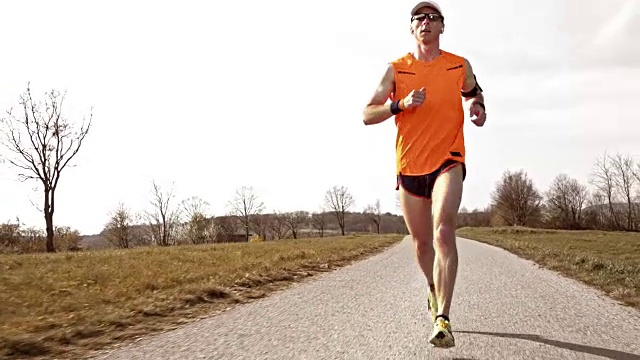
(41,142)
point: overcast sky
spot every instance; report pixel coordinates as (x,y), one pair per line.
(213,97)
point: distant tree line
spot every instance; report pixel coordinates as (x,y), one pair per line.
(168,222)
(40,142)
(610,200)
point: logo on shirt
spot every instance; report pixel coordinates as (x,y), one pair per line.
(455,67)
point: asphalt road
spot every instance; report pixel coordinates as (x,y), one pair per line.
(504,308)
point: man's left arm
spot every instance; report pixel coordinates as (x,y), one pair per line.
(472,94)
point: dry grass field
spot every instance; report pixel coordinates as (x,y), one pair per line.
(608,261)
(66,304)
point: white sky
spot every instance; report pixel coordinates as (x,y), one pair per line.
(213,97)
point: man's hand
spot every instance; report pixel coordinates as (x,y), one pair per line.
(477,114)
(414,99)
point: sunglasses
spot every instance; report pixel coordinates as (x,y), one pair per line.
(431,17)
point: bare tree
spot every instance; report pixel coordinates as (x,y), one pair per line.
(319,222)
(374,214)
(603,179)
(476,217)
(339,200)
(118,229)
(260,225)
(31,240)
(224,228)
(636,175)
(278,226)
(68,238)
(244,206)
(42,142)
(625,185)
(516,200)
(294,220)
(198,228)
(162,218)
(566,198)
(596,213)
(10,234)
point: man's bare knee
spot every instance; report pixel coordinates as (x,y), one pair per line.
(447,196)
(424,244)
(445,233)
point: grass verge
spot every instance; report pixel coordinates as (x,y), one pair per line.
(608,261)
(67,304)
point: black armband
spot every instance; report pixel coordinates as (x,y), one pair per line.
(473,92)
(395,107)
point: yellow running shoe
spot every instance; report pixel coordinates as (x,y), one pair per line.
(442,336)
(432,305)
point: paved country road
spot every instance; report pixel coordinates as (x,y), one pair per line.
(504,308)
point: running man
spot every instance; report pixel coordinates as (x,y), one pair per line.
(427,89)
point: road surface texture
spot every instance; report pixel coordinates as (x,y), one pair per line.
(504,308)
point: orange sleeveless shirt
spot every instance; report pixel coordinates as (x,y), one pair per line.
(433,132)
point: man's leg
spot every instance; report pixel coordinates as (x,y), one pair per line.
(446,198)
(417,216)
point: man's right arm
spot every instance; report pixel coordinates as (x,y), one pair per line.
(376,111)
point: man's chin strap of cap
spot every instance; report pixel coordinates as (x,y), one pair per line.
(473,92)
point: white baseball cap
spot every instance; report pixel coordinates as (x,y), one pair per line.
(431,4)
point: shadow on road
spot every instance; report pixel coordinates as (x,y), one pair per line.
(608,353)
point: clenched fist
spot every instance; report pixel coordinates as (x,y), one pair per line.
(414,99)
(477,113)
